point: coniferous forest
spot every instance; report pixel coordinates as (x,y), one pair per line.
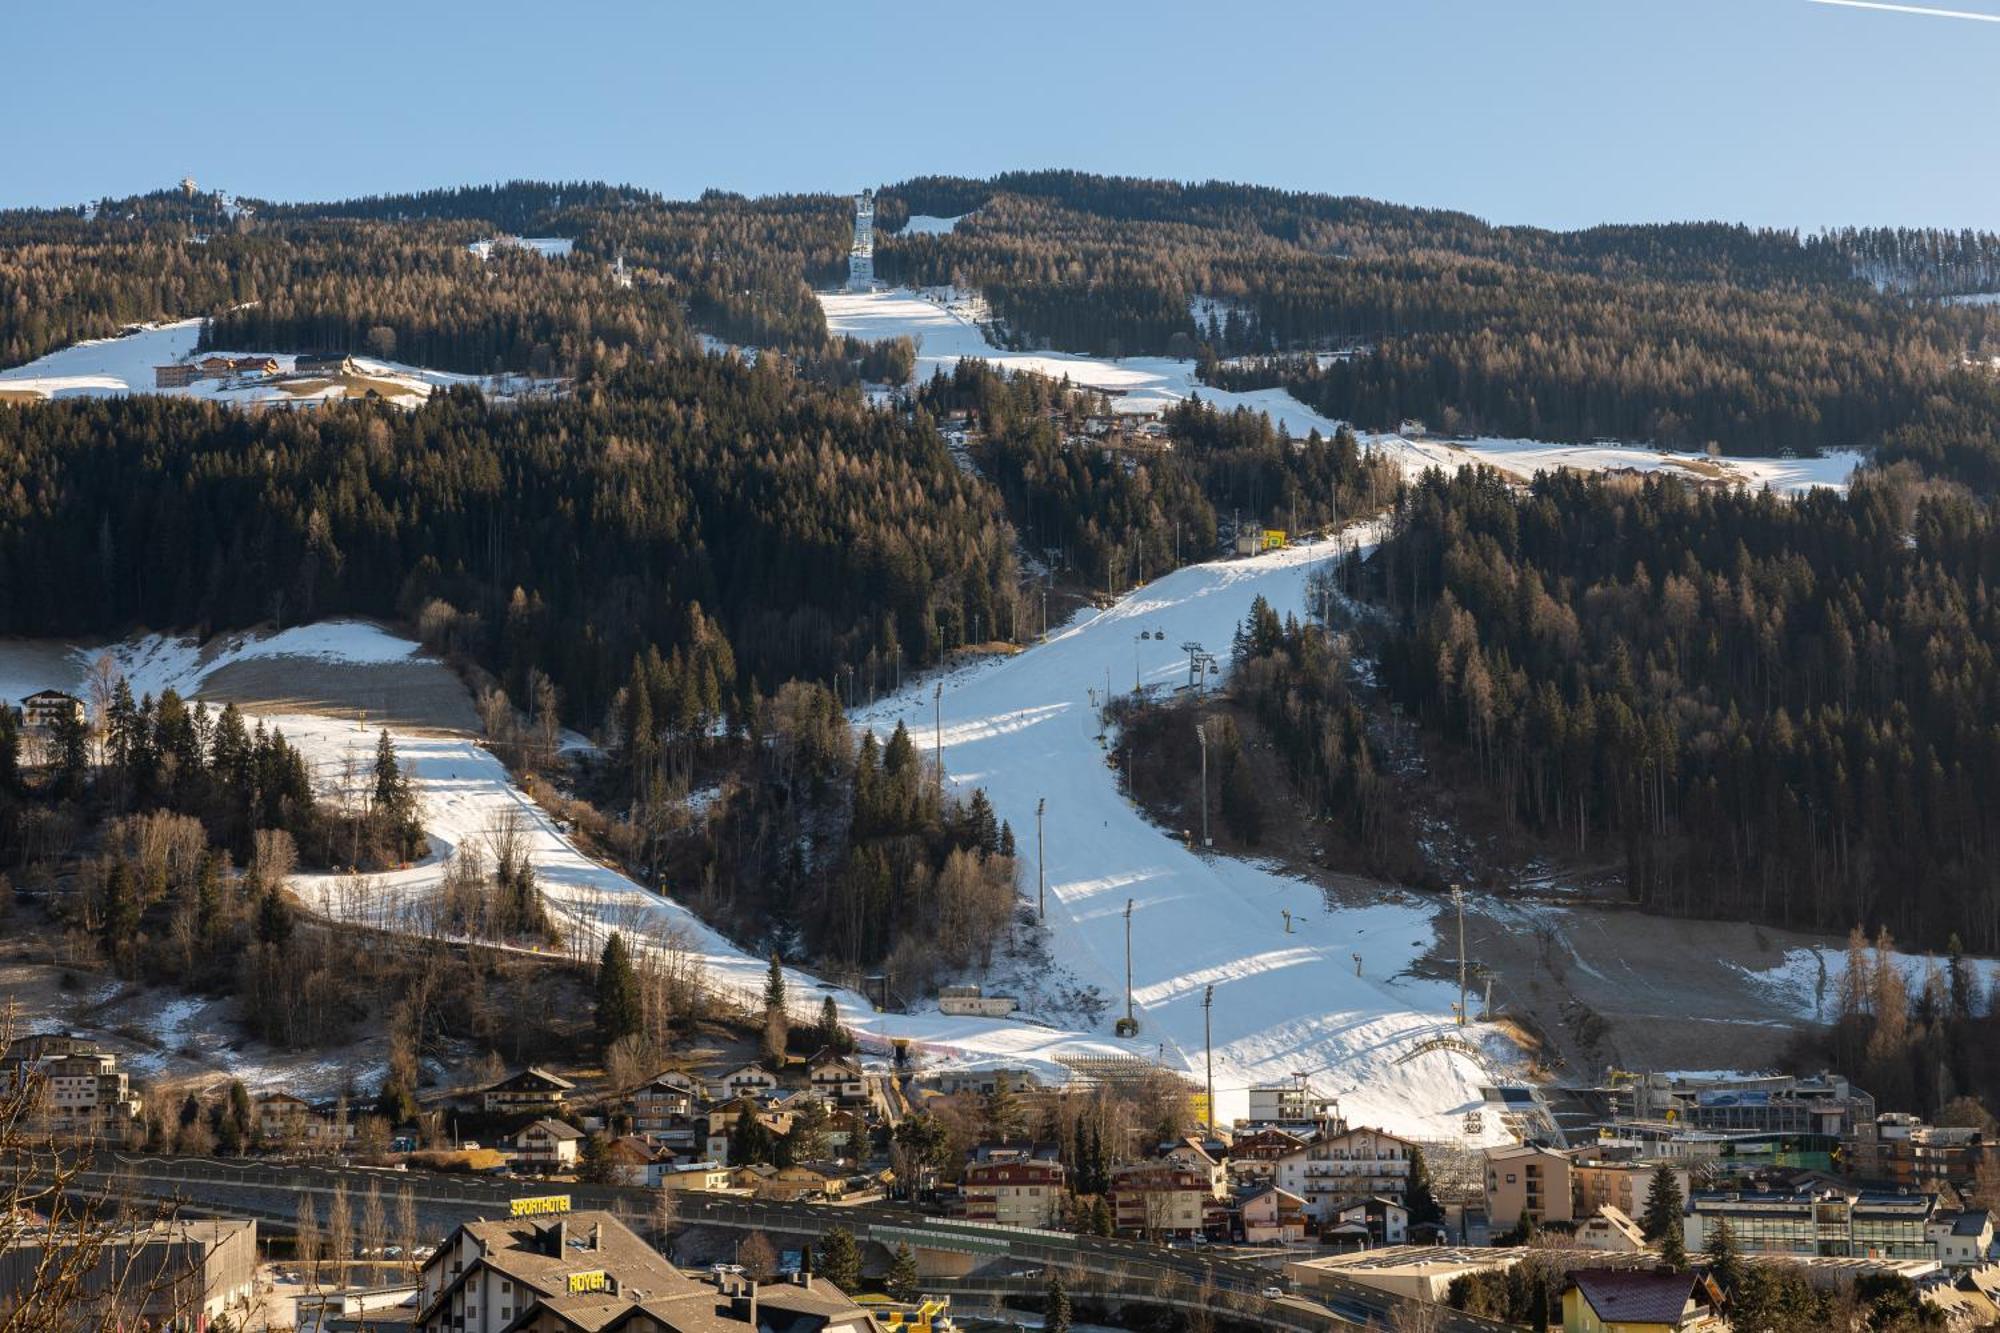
(1780,710)
(1769,708)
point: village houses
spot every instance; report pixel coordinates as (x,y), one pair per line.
(533,1089)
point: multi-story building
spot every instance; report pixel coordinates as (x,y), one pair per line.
(1822,1222)
(1529,1181)
(489,1273)
(1268,1214)
(664,1101)
(838,1078)
(1376,1221)
(1778,1104)
(533,1089)
(746,1080)
(1597,1183)
(1253,1156)
(1157,1198)
(1962,1240)
(1206,1158)
(1902,1150)
(81,1090)
(1015,1188)
(548,1145)
(44,710)
(1296,1105)
(1344,1167)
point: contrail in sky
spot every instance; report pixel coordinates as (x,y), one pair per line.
(1926,10)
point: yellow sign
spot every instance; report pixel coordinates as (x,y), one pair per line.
(1274,539)
(536,1207)
(594,1280)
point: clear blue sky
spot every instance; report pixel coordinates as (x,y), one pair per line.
(1559,112)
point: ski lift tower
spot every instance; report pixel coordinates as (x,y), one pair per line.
(861,254)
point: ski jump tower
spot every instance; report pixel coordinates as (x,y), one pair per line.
(861,255)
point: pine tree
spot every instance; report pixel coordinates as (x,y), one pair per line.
(274,918)
(774,985)
(10,752)
(1055,1310)
(1725,1262)
(1003,1111)
(594,1167)
(777,1026)
(902,1283)
(750,1139)
(1662,1213)
(72,753)
(1418,1195)
(840,1260)
(619,1013)
(830,1034)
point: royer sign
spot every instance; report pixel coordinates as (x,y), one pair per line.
(535,1207)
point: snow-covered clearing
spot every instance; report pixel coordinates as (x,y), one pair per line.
(154,663)
(1807,983)
(947,333)
(548,247)
(947,329)
(1526,457)
(1973,298)
(106,367)
(924,224)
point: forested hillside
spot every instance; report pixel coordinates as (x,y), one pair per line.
(1113,516)
(567,536)
(393,276)
(1684,335)
(1775,710)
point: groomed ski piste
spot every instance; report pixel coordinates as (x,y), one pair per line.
(1023,728)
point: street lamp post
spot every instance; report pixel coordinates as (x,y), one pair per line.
(1201,733)
(1208,1047)
(1041,880)
(1130,1025)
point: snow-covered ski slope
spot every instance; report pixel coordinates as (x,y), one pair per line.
(945,325)
(1024,728)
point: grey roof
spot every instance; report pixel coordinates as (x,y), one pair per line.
(1631,1296)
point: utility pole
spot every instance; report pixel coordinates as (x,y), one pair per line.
(1486,1010)
(1459,899)
(1201,733)
(1131,1023)
(937,730)
(1041,882)
(1208,1046)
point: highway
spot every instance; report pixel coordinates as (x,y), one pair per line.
(1011,1260)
